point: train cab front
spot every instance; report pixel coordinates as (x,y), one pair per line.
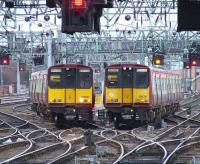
(118,92)
(70,92)
(126,91)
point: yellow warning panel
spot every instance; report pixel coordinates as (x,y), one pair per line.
(98,99)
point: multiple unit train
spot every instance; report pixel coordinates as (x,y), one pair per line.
(131,92)
(136,91)
(64,91)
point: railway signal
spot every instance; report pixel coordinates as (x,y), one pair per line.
(186,65)
(82,15)
(188,15)
(38,60)
(77,16)
(9,3)
(51,3)
(22,67)
(194,59)
(194,63)
(4,59)
(158,59)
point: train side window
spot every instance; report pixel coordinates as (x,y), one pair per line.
(37,84)
(163,84)
(141,78)
(31,85)
(41,85)
(70,78)
(154,84)
(158,83)
(84,78)
(44,84)
(33,89)
(127,78)
(112,78)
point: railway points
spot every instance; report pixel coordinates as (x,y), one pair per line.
(126,145)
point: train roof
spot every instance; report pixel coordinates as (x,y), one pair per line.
(126,65)
(145,66)
(70,66)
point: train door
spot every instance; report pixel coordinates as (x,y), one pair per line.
(158,89)
(173,88)
(154,89)
(70,85)
(127,85)
(168,88)
(84,93)
(141,78)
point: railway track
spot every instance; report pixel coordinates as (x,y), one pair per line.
(177,134)
(30,143)
(25,142)
(9,151)
(44,155)
(187,153)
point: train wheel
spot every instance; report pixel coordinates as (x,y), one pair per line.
(59,120)
(90,117)
(110,117)
(38,111)
(52,116)
(117,121)
(151,116)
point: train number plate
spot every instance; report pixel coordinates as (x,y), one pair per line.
(69,117)
(127,116)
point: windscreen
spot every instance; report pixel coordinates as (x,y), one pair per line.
(70,77)
(141,78)
(84,78)
(55,78)
(127,77)
(113,77)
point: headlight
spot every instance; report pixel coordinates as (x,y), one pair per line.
(81,100)
(142,100)
(84,100)
(53,101)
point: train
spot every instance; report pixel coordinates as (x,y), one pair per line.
(64,92)
(137,92)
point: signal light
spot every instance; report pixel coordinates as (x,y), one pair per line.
(194,62)
(77,16)
(22,67)
(158,59)
(4,59)
(194,59)
(78,4)
(157,62)
(186,65)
